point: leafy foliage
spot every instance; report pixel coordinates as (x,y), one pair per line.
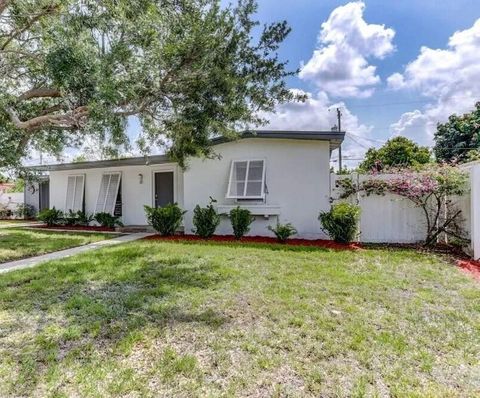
(24,211)
(166,220)
(78,218)
(341,222)
(107,220)
(241,220)
(51,217)
(283,231)
(458,138)
(431,189)
(188,70)
(205,220)
(397,152)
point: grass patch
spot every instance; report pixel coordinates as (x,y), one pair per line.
(171,319)
(20,243)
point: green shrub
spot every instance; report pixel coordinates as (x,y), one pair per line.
(283,231)
(241,220)
(51,217)
(77,218)
(165,220)
(84,219)
(107,220)
(206,220)
(341,222)
(24,211)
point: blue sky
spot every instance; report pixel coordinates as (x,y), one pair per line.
(411,106)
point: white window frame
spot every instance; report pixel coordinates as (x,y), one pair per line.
(244,196)
(70,206)
(103,207)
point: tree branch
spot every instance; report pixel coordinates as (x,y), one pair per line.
(41,92)
(64,121)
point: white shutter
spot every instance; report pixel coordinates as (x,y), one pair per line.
(75,191)
(108,192)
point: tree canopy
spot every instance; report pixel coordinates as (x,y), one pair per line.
(459,138)
(188,69)
(398,152)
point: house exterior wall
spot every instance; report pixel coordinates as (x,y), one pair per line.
(134,194)
(297,180)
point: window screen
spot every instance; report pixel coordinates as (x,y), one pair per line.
(247,179)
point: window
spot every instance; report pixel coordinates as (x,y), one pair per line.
(108,194)
(247,179)
(75,190)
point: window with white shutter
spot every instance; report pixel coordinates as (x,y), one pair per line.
(247,179)
(107,195)
(75,192)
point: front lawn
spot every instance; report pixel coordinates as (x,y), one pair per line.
(168,319)
(20,243)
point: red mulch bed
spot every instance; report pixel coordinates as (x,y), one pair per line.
(328,244)
(75,228)
(470,266)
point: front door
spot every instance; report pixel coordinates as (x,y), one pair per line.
(163,188)
(43,195)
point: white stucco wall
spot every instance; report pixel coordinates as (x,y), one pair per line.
(297,178)
(134,194)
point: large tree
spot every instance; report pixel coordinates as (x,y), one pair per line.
(188,69)
(459,138)
(398,152)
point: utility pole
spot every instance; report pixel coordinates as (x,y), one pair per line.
(339,117)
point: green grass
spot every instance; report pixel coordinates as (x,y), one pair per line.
(156,319)
(21,243)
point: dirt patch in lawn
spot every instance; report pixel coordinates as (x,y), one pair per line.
(328,244)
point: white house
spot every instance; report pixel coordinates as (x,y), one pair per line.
(278,175)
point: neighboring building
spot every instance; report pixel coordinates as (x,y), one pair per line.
(278,175)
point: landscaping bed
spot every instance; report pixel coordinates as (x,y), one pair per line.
(321,243)
(75,228)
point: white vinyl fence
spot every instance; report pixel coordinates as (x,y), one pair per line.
(393,219)
(11,200)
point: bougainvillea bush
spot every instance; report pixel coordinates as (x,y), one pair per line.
(432,189)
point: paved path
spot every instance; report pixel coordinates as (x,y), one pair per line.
(18,224)
(33,261)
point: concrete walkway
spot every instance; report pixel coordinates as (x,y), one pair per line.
(33,261)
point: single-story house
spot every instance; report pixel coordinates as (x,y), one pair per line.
(278,175)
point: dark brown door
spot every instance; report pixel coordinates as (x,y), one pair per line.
(163,188)
(43,195)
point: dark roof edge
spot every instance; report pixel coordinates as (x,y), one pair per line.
(334,137)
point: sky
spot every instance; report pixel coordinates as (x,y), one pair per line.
(392,67)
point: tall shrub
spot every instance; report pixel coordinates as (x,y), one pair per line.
(205,220)
(341,222)
(165,220)
(241,220)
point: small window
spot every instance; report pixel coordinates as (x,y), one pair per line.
(247,179)
(108,193)
(75,191)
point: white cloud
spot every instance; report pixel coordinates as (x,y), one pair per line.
(450,77)
(415,126)
(339,65)
(318,112)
